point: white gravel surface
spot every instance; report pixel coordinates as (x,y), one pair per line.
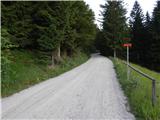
(90,91)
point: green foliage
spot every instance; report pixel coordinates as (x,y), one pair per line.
(43,27)
(155,44)
(49,39)
(138,36)
(138,90)
(49,24)
(145,37)
(5,40)
(136,14)
(6,44)
(5,64)
(114,24)
(17,20)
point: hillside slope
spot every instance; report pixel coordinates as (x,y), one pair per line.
(138,90)
(24,69)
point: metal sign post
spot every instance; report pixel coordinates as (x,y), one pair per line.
(128,70)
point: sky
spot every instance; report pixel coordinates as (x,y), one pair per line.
(146,5)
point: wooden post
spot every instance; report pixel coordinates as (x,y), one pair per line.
(114,53)
(153,92)
(128,70)
(153,97)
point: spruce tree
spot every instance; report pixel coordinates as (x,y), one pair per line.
(155,44)
(114,24)
(137,33)
(148,40)
(49,27)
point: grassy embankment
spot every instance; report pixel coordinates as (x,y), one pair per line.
(24,70)
(138,90)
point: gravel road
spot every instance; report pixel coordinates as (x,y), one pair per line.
(90,91)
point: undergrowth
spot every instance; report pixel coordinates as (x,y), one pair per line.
(21,70)
(138,89)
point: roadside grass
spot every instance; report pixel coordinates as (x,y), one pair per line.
(138,89)
(24,71)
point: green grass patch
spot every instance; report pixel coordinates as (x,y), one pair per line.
(23,70)
(138,89)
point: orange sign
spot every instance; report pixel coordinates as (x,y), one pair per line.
(127,45)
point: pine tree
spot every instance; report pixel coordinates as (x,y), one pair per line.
(15,16)
(114,24)
(84,26)
(50,27)
(137,32)
(148,40)
(155,44)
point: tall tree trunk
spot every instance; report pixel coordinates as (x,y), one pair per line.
(114,53)
(53,62)
(59,52)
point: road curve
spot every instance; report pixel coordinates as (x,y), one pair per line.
(90,91)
